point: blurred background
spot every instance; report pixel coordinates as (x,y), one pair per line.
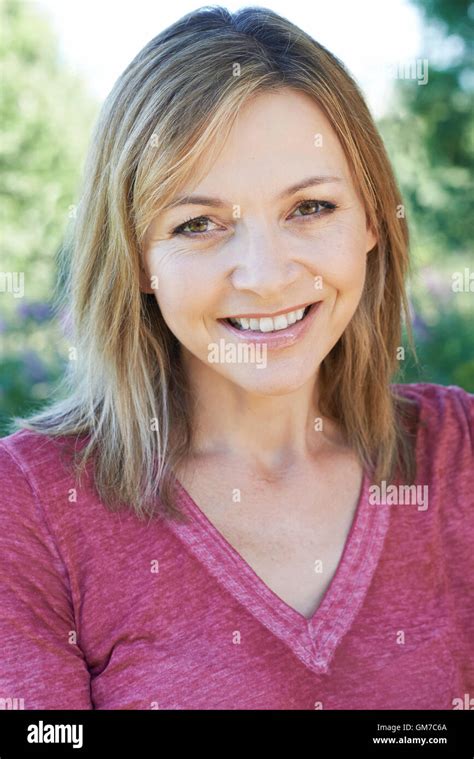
(60,58)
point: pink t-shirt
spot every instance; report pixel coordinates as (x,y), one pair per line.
(101,611)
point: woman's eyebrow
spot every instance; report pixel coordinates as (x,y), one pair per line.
(202,200)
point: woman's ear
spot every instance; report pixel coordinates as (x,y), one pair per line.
(148,282)
(371,238)
(145,280)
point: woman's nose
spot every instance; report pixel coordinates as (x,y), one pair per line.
(264,263)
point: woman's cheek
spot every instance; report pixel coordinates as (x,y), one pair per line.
(177,277)
(341,259)
(185,295)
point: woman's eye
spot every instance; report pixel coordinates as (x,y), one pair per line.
(307,207)
(197,221)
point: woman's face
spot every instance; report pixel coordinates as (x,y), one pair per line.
(250,247)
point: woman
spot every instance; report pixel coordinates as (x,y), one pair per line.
(232,507)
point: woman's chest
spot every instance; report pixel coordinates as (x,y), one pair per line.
(292,535)
(174,619)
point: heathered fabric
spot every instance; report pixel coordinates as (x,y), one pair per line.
(101,611)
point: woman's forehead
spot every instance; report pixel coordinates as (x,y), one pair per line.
(277,141)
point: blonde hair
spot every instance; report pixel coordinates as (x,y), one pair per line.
(175,102)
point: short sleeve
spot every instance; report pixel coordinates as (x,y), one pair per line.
(457,528)
(41,664)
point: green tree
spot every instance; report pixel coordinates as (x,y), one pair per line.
(429,133)
(46,115)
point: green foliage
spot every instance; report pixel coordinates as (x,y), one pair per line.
(429,134)
(33,351)
(46,115)
(444,349)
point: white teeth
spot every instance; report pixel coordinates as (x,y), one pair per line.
(268,324)
(281,321)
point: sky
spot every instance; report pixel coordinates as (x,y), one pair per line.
(98,38)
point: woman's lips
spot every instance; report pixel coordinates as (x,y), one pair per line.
(279,338)
(276,313)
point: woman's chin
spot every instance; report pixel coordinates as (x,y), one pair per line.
(266,381)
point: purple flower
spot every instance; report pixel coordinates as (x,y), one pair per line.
(420,328)
(38,311)
(437,285)
(34,368)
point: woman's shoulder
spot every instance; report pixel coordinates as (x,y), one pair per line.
(36,469)
(432,393)
(447,408)
(36,456)
(444,439)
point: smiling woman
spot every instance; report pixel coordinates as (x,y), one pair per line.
(237,194)
(280,253)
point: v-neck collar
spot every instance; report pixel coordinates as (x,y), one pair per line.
(312,640)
